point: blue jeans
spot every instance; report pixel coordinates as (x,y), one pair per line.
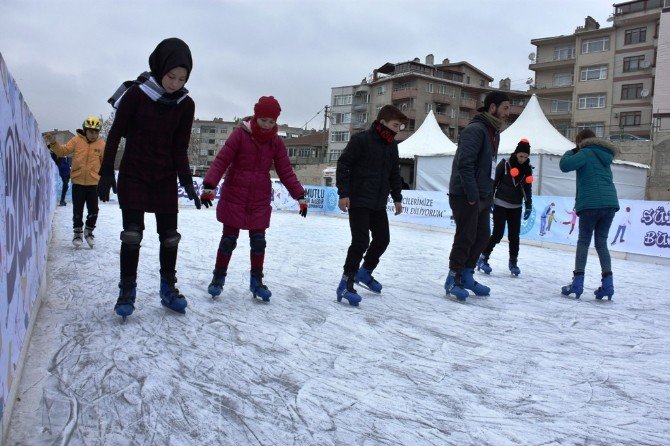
(596,223)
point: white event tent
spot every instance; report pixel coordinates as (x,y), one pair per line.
(547,147)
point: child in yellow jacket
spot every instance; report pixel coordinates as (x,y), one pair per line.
(86,149)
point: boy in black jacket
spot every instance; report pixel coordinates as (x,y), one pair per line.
(366,171)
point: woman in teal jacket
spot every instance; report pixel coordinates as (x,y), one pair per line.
(596,203)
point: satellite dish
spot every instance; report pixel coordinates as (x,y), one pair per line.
(529,81)
(531,57)
(644,93)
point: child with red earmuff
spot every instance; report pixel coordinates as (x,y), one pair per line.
(512,189)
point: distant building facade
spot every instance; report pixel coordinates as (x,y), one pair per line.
(453,91)
(603,78)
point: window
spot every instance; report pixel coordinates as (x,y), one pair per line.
(429,87)
(203,152)
(381,90)
(597,127)
(564,52)
(593,73)
(630,118)
(561,106)
(341,118)
(211,141)
(633,63)
(635,35)
(593,101)
(467,80)
(428,107)
(481,83)
(335,155)
(631,91)
(564,129)
(344,99)
(442,89)
(210,153)
(596,45)
(562,80)
(212,130)
(224,129)
(339,136)
(411,125)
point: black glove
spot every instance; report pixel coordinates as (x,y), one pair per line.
(527,212)
(106,182)
(187,183)
(303,206)
(207,196)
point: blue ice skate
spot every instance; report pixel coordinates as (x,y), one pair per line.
(216,286)
(364,278)
(170,296)
(125,304)
(345,290)
(454,286)
(257,287)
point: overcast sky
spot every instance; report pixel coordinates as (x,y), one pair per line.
(68,57)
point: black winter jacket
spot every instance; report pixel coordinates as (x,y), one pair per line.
(473,162)
(368,170)
(513,190)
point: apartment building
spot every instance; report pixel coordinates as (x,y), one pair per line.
(601,78)
(453,91)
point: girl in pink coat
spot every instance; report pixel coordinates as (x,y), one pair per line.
(246,160)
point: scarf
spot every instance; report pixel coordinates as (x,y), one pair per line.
(496,123)
(151,88)
(384,132)
(262,135)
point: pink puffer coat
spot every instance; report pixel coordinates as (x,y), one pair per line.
(246,193)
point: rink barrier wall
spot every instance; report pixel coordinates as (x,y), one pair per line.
(640,227)
(27,181)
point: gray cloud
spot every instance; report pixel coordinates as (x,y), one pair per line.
(68,56)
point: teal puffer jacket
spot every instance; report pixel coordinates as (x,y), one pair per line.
(592,163)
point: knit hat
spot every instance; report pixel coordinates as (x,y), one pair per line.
(523,146)
(267,107)
(493,97)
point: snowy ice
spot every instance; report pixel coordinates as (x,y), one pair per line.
(523,366)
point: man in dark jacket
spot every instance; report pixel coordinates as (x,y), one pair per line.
(366,171)
(470,193)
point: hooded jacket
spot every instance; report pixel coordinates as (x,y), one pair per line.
(592,163)
(245,199)
(368,169)
(86,158)
(473,161)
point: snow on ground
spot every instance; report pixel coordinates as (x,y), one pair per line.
(522,366)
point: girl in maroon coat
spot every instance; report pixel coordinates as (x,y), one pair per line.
(155,115)
(246,159)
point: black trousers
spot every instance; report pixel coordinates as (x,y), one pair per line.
(512,218)
(166,226)
(473,230)
(89,196)
(364,222)
(66,184)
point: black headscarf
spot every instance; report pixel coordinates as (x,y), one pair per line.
(170,53)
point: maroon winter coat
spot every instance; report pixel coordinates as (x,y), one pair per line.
(246,192)
(157,138)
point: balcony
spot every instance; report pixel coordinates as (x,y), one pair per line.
(550,89)
(441,98)
(547,64)
(469,103)
(405,93)
(359,125)
(361,106)
(442,118)
(462,122)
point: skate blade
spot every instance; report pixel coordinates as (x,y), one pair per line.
(362,285)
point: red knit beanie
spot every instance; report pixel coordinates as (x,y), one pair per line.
(267,107)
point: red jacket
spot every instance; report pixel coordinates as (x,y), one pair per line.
(247,192)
